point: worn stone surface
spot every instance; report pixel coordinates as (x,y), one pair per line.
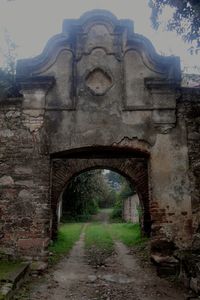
(99,96)
(13,280)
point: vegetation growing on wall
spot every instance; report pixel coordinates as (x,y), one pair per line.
(185,19)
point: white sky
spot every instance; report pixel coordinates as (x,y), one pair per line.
(32,22)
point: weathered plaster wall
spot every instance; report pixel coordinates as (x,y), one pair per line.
(170,187)
(131,209)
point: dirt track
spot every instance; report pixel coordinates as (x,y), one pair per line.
(121,278)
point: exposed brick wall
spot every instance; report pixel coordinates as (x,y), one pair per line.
(24,185)
(26,210)
(189,107)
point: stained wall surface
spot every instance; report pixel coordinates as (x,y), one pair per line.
(131,209)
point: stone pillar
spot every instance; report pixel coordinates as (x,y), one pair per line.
(32,173)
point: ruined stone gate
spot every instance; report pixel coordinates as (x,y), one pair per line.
(99,96)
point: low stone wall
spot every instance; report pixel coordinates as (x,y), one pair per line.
(130,209)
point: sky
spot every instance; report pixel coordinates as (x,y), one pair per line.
(31,23)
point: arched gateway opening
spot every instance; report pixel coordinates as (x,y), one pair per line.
(132,164)
(100,195)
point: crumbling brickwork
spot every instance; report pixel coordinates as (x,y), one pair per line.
(24,185)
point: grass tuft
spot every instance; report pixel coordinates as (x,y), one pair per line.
(68,234)
(128,233)
(98,243)
(7,267)
(98,235)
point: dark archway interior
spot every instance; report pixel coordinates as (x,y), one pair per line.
(133,165)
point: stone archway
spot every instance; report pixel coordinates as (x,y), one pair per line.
(97,87)
(135,169)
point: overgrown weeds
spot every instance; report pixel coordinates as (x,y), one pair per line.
(128,233)
(98,243)
(68,234)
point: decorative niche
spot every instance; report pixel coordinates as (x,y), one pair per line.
(98,81)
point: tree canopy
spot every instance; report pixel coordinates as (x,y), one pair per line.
(85,194)
(185,19)
(95,189)
(8,87)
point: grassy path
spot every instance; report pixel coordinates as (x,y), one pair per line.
(99,244)
(99,267)
(99,238)
(127,233)
(101,235)
(68,234)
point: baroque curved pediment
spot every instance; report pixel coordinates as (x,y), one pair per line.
(99,29)
(97,63)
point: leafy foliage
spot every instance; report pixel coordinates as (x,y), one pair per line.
(9,54)
(114,179)
(85,194)
(8,87)
(185,20)
(117,209)
(92,190)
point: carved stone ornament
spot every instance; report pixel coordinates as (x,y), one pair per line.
(98,81)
